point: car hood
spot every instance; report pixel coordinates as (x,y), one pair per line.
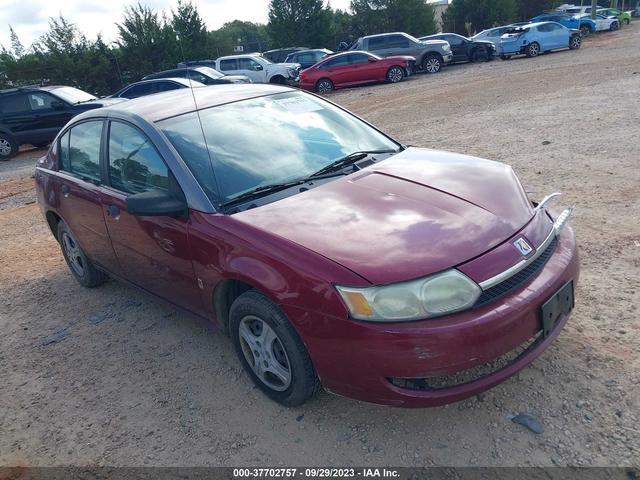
(413,214)
(103,102)
(486,43)
(237,78)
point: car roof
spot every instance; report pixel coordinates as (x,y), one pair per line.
(182,81)
(30,88)
(177,102)
(383,34)
(240,55)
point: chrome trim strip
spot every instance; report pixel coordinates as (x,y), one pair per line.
(546,200)
(522,264)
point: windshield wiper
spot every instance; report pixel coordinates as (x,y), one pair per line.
(347,160)
(262,191)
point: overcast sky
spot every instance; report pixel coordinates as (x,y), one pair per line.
(29,17)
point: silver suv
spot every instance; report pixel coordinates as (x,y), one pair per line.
(430,55)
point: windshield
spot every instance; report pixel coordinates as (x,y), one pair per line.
(267,140)
(73,95)
(210,72)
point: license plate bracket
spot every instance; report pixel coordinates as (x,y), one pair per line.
(561,303)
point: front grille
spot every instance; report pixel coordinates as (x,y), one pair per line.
(513,282)
(470,374)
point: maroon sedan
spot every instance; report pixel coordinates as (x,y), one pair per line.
(355,68)
(331,254)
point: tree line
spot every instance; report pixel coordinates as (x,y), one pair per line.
(148,41)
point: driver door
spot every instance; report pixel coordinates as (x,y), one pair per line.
(153,251)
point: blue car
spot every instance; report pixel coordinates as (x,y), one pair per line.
(535,38)
(585,24)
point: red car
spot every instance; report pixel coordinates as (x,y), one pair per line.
(331,254)
(355,68)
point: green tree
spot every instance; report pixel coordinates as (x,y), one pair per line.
(377,16)
(300,23)
(531,8)
(252,36)
(16,46)
(191,31)
(147,43)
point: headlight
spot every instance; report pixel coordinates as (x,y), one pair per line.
(439,294)
(447,48)
(292,72)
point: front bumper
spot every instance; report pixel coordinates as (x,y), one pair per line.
(358,359)
(447,58)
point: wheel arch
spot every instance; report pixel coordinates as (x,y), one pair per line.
(53,219)
(224,294)
(278,78)
(429,53)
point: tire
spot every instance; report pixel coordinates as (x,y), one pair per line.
(614,26)
(277,79)
(585,30)
(41,144)
(8,147)
(575,42)
(254,318)
(81,267)
(432,63)
(627,21)
(324,85)
(476,56)
(532,50)
(505,57)
(395,74)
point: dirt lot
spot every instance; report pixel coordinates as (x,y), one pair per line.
(113,377)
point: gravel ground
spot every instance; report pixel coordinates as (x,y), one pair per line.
(114,377)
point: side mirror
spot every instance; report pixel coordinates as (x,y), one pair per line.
(157,203)
(57,105)
(257,68)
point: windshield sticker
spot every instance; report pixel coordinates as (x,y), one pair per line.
(298,104)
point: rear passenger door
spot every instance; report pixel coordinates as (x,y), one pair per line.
(153,251)
(377,45)
(77,189)
(338,70)
(396,45)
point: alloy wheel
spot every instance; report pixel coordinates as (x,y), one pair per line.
(395,75)
(534,50)
(5,147)
(575,42)
(265,353)
(72,250)
(324,86)
(432,65)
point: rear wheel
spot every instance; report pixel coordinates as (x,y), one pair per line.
(432,63)
(395,74)
(505,57)
(585,30)
(532,50)
(8,147)
(277,79)
(81,267)
(575,42)
(324,85)
(271,351)
(477,55)
(614,26)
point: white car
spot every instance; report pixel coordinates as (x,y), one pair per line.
(604,23)
(259,69)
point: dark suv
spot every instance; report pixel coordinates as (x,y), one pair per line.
(206,75)
(35,115)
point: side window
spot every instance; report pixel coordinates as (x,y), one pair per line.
(397,41)
(230,64)
(40,101)
(166,86)
(337,62)
(80,150)
(377,43)
(14,103)
(139,90)
(454,39)
(358,58)
(247,64)
(134,164)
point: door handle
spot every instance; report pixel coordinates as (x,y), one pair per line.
(113,211)
(65,190)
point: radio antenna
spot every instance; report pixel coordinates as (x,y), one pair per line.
(218,192)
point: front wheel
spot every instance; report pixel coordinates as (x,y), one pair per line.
(614,26)
(324,86)
(271,351)
(532,50)
(395,74)
(8,146)
(432,64)
(585,30)
(575,42)
(81,267)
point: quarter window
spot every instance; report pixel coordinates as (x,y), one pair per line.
(134,164)
(80,150)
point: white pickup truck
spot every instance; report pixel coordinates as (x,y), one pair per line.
(259,69)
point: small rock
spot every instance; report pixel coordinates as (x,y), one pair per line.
(581,403)
(546,142)
(299,418)
(528,421)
